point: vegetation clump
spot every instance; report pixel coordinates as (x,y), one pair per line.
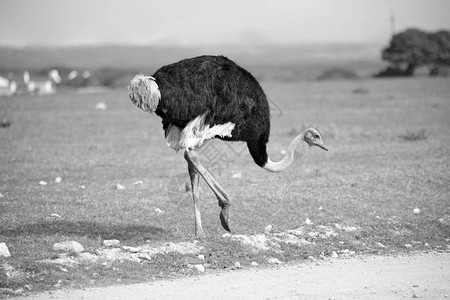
(414,48)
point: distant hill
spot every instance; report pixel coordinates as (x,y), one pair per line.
(269,62)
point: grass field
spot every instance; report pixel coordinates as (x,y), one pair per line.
(389,154)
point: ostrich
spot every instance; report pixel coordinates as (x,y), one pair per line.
(209,97)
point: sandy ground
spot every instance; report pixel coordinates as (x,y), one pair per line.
(424,276)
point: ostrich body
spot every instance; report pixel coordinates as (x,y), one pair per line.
(210,97)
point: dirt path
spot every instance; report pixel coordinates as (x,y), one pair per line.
(426,276)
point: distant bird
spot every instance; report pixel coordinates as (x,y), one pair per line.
(209,97)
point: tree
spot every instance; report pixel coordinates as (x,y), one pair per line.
(414,48)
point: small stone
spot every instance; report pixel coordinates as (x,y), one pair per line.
(426,245)
(415,285)
(416,211)
(42,182)
(101,106)
(87,257)
(1,195)
(268,228)
(70,246)
(132,249)
(313,234)
(55,216)
(237,265)
(119,187)
(226,235)
(4,251)
(111,243)
(351,253)
(273,261)
(408,246)
(159,211)
(81,187)
(201,257)
(349,228)
(345,251)
(307,222)
(200,268)
(312,258)
(144,256)
(380,245)
(337,226)
(415,295)
(237,175)
(254,263)
(334,254)
(58,179)
(138,182)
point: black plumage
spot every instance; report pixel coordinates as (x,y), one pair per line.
(226,92)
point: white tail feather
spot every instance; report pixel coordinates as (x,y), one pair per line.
(144,92)
(195,133)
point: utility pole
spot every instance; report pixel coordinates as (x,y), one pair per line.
(392,19)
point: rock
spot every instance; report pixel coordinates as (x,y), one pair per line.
(200,268)
(201,256)
(349,228)
(408,246)
(237,175)
(138,182)
(380,245)
(1,195)
(58,179)
(268,228)
(55,216)
(87,257)
(72,246)
(337,226)
(119,187)
(111,243)
(144,256)
(237,265)
(426,245)
(416,211)
(226,235)
(101,106)
(334,254)
(81,187)
(273,261)
(132,249)
(345,251)
(4,251)
(42,182)
(307,222)
(415,295)
(313,234)
(159,211)
(351,253)
(254,263)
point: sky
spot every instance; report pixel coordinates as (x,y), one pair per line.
(211,22)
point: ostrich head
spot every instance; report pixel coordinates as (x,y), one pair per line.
(313,137)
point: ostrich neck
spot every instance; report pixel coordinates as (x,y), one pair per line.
(288,158)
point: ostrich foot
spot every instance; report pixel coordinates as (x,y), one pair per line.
(224,216)
(200,236)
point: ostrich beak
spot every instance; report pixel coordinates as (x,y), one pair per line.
(320,144)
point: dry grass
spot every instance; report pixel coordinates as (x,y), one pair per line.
(370,178)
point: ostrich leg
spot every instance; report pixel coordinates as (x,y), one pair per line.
(195,180)
(222,196)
